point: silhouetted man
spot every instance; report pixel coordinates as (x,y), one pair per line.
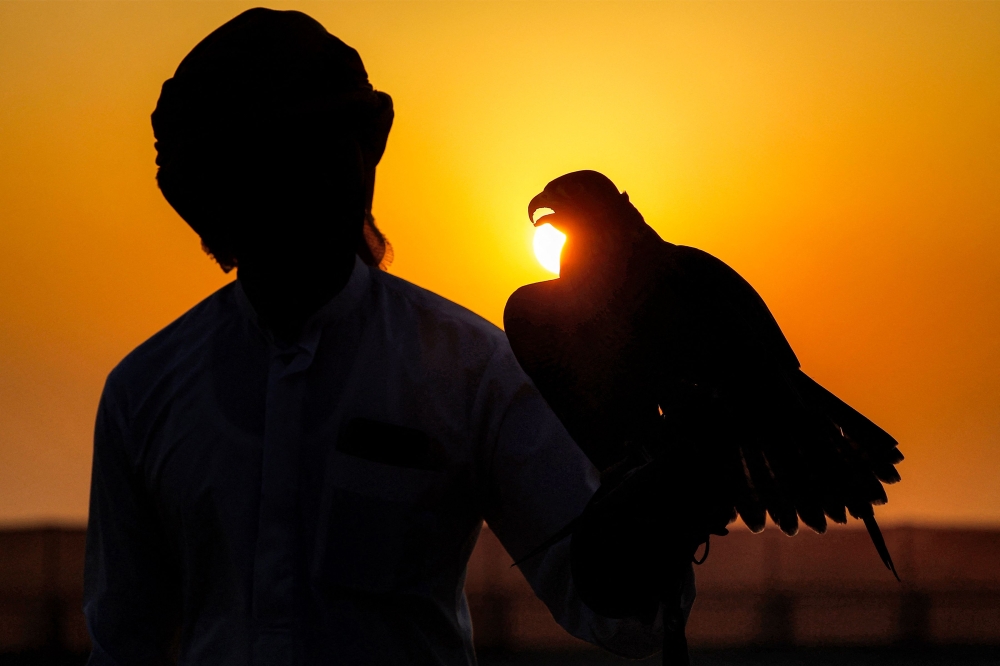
(296,470)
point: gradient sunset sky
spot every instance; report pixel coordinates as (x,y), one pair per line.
(844,157)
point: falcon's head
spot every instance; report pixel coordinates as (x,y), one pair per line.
(589,209)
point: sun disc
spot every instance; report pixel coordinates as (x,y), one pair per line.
(548,245)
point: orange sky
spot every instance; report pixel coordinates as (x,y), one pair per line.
(843,156)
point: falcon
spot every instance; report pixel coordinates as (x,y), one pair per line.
(673,377)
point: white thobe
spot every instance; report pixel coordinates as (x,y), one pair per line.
(261,504)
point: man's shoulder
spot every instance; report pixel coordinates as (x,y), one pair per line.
(175,342)
(429,307)
(462,357)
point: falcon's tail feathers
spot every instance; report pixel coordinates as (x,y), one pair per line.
(876,534)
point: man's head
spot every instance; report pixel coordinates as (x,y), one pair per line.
(267,139)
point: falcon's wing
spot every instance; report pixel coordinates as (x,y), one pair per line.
(784,444)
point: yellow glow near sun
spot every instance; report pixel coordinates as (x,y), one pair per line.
(548,245)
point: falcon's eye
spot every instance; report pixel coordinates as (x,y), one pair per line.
(548,245)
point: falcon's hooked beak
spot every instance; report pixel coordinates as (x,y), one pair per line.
(541,200)
(578,199)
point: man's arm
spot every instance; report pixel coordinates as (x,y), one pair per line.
(131,591)
(539,480)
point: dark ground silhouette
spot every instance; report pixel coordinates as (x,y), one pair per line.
(942,656)
(939,656)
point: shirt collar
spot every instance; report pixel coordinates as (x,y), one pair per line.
(337,308)
(347,298)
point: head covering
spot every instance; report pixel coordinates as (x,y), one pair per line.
(265,84)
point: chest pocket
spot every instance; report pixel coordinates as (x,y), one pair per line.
(385,482)
(390,444)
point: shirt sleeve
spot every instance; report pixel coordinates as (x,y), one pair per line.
(538,481)
(131,592)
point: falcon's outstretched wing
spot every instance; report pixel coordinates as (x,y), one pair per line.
(791,448)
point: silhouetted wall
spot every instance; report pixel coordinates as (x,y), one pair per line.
(769,589)
(764,589)
(41,590)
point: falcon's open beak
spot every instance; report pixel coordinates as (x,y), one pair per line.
(542,200)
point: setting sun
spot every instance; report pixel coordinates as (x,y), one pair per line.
(548,245)
(841,157)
